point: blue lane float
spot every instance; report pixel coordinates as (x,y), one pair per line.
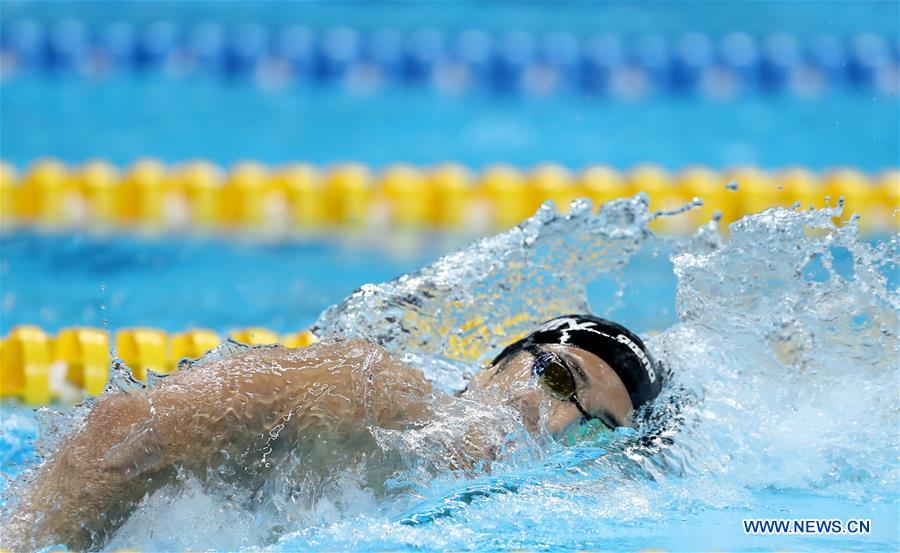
(507,62)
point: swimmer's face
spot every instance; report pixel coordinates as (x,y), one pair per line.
(597,387)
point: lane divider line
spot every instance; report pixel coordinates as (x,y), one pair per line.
(37,367)
(512,62)
(298,197)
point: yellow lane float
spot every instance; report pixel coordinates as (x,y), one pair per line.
(38,368)
(254,197)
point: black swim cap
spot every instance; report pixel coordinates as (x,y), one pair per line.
(620,348)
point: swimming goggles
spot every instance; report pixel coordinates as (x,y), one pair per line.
(556,378)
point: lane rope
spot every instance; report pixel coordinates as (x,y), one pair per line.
(38,367)
(250,197)
(506,62)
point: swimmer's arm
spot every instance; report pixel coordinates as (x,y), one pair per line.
(130,440)
(92,474)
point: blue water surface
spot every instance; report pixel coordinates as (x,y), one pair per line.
(622,16)
(131,117)
(57,281)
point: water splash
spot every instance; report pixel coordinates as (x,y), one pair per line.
(781,400)
(466,304)
(782,391)
(786,359)
(782,377)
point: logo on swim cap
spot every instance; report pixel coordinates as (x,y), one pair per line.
(651,372)
(573,324)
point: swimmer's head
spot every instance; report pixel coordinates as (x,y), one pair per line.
(582,367)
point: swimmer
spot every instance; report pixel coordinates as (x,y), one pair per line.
(571,370)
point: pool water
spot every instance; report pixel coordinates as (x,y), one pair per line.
(781,339)
(186,119)
(221,284)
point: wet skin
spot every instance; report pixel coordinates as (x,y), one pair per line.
(130,443)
